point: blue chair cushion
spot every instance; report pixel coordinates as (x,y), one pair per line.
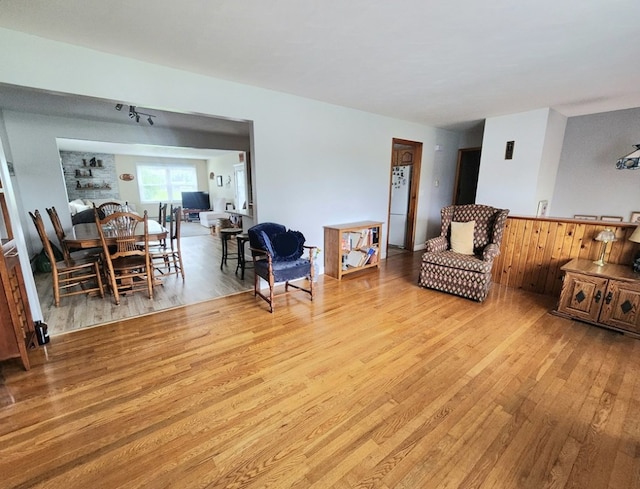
(284,271)
(287,246)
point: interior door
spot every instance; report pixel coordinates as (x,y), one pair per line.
(466,182)
(406,153)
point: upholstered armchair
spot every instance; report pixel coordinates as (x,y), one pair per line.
(277,257)
(459,261)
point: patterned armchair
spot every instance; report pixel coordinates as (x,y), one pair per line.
(466,275)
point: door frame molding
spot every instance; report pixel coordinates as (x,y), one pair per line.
(413,190)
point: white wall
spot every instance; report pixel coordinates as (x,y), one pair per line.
(315,163)
(512,183)
(223,165)
(588,182)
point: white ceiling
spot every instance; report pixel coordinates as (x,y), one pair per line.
(442,63)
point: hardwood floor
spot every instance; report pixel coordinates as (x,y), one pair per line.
(377,383)
(204,280)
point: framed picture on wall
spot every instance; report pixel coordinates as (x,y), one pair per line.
(635,217)
(219,180)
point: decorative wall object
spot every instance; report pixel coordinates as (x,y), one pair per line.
(542,208)
(127,177)
(89,175)
(219,180)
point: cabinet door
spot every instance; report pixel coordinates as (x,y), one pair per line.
(582,296)
(622,306)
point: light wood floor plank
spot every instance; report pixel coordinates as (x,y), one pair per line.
(377,383)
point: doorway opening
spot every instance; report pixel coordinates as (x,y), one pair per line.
(406,159)
(466,182)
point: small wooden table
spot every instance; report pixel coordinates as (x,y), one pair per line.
(85,235)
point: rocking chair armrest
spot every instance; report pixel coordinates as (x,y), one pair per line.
(437,244)
(490,252)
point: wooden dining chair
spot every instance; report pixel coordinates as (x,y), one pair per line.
(169,255)
(71,273)
(128,263)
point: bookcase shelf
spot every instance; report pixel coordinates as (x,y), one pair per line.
(340,239)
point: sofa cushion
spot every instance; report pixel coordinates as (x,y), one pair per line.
(462,237)
(288,246)
(451,259)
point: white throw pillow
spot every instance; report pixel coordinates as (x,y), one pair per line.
(462,237)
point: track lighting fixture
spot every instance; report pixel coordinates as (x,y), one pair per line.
(136,114)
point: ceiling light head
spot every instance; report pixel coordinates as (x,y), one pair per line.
(118,107)
(137,117)
(132,111)
(630,161)
(150,120)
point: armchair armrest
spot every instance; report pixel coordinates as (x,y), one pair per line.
(312,252)
(259,254)
(437,244)
(490,252)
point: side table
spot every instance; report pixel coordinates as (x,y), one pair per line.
(225,235)
(241,240)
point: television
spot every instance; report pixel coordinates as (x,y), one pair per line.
(195,200)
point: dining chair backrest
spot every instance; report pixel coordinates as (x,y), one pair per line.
(124,227)
(42,233)
(175,223)
(162,213)
(60,234)
(108,208)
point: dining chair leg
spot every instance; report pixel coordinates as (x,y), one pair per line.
(96,267)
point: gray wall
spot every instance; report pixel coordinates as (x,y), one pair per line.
(587,180)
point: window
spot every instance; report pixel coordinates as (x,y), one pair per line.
(164,183)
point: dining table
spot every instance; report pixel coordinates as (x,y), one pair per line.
(85,235)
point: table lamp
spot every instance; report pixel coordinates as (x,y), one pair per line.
(605,236)
(635,237)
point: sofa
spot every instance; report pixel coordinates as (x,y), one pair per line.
(81,210)
(209,219)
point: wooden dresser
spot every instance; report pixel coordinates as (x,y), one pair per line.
(608,295)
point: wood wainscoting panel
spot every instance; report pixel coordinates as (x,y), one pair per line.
(533,250)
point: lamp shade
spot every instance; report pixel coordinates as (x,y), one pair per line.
(635,236)
(606,235)
(631,161)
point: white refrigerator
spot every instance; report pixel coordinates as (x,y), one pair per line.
(400,184)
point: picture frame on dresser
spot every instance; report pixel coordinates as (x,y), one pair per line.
(585,216)
(635,217)
(611,218)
